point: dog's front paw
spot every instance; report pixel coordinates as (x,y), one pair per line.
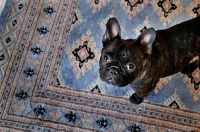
(135,99)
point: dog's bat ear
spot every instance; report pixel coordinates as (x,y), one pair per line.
(146,39)
(113,30)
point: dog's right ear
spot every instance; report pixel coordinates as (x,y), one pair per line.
(113,30)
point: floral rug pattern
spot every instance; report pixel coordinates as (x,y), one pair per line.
(49,71)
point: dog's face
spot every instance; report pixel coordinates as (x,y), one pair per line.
(118,66)
(121,60)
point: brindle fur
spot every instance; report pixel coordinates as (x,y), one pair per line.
(169,53)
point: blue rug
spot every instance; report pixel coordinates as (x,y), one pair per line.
(49,68)
(4,14)
(79,72)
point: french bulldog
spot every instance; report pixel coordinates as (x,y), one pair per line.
(141,62)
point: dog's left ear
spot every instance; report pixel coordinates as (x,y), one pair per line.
(113,30)
(146,39)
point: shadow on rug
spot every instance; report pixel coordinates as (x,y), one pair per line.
(49,69)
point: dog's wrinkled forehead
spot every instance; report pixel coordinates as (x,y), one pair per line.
(118,45)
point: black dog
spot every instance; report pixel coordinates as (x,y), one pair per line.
(153,55)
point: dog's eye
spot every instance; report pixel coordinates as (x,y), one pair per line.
(130,67)
(106,58)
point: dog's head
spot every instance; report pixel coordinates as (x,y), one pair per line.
(122,60)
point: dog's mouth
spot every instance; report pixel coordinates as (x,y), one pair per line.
(111,81)
(117,81)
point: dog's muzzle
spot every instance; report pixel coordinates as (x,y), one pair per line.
(114,71)
(113,75)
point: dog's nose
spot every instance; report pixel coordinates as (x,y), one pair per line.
(113,72)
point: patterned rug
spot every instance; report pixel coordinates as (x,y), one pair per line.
(49,68)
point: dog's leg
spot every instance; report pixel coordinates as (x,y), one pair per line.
(135,99)
(191,67)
